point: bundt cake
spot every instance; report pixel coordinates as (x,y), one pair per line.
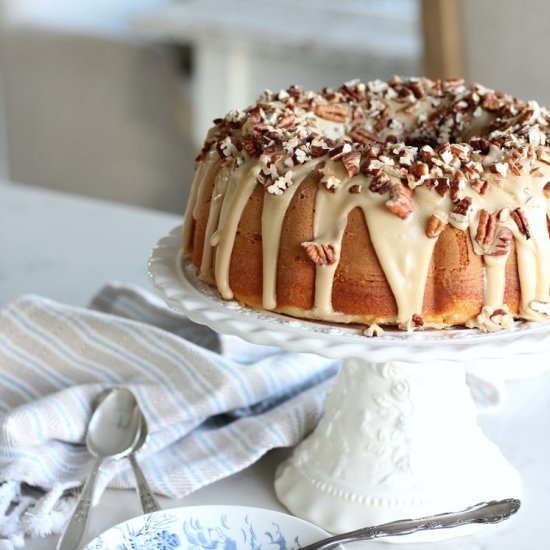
(412,202)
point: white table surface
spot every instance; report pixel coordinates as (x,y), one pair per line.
(66,247)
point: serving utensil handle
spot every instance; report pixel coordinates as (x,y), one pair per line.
(484,512)
(146,498)
(75,529)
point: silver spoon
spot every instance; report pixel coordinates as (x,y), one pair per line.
(112,432)
(485,512)
(146,498)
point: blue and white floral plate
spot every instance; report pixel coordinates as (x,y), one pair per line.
(212,528)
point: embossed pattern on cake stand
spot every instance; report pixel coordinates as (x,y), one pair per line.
(399,437)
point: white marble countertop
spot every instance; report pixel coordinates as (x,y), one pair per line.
(66,247)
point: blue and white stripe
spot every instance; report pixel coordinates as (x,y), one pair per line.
(55,359)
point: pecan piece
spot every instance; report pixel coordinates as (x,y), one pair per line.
(544,155)
(380,184)
(417,320)
(441,185)
(463,206)
(286,121)
(498,312)
(490,102)
(330,180)
(320,254)
(320,146)
(420,170)
(383,121)
(461,212)
(340,151)
(457,186)
(435,227)
(252,147)
(514,168)
(481,186)
(361,135)
(355,189)
(481,144)
(352,162)
(486,229)
(518,215)
(400,201)
(336,112)
(503,242)
(547,189)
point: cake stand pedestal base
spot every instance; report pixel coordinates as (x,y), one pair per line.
(397,440)
(399,436)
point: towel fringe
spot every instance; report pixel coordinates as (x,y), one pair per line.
(24,515)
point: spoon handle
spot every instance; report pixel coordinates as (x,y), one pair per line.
(75,529)
(148,501)
(485,512)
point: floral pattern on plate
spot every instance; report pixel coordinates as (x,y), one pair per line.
(210,528)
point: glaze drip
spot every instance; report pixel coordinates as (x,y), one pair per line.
(493,186)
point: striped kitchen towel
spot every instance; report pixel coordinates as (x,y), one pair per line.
(214,404)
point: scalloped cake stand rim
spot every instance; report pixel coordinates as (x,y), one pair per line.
(174,279)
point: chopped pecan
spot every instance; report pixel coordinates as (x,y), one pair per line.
(514,168)
(518,215)
(420,170)
(356,188)
(380,184)
(330,180)
(460,214)
(320,145)
(204,151)
(544,155)
(490,102)
(457,186)
(352,162)
(339,151)
(320,253)
(383,121)
(362,135)
(400,201)
(461,151)
(481,144)
(372,167)
(527,116)
(435,227)
(252,147)
(417,89)
(547,189)
(463,206)
(417,320)
(481,186)
(503,242)
(441,185)
(286,121)
(498,312)
(486,229)
(336,112)
(536,172)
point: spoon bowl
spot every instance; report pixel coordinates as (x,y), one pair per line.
(113,432)
(115,427)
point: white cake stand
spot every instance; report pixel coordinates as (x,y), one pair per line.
(399,437)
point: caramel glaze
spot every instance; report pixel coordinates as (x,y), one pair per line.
(386,268)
